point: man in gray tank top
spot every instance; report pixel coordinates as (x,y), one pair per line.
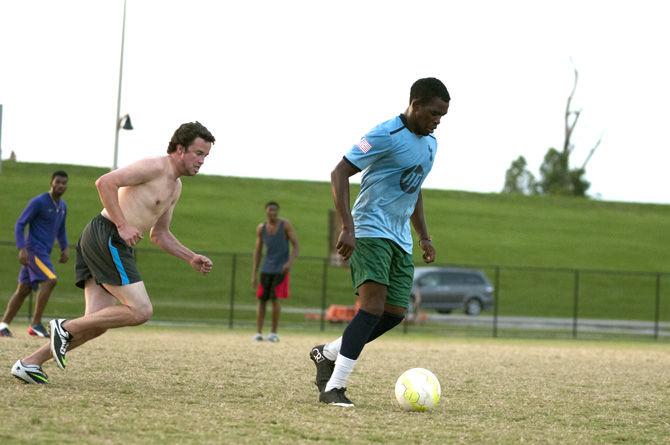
(275,233)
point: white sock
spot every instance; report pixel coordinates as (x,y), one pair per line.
(332,349)
(343,367)
(4,325)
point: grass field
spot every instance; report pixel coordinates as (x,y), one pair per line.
(219,214)
(202,385)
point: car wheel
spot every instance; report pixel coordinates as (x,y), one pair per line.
(473,307)
(443,311)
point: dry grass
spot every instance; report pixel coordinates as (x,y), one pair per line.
(179,385)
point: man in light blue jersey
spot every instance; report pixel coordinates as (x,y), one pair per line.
(395,158)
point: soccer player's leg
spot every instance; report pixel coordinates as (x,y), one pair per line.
(23,289)
(278,291)
(370,267)
(260,318)
(263,297)
(42,271)
(36,327)
(97,298)
(401,277)
(134,309)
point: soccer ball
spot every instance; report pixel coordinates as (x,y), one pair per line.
(417,389)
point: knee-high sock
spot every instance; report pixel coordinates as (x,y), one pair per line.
(387,322)
(357,333)
(353,339)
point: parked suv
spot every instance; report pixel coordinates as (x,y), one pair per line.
(449,288)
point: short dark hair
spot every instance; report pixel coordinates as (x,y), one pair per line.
(272,203)
(60,173)
(187,133)
(425,89)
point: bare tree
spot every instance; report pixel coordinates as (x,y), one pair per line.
(556,176)
(571,119)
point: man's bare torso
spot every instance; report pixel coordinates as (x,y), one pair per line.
(144,203)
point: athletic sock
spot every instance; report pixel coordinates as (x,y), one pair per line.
(353,340)
(343,368)
(387,322)
(357,333)
(3,325)
(330,350)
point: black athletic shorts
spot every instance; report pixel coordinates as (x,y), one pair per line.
(269,283)
(103,255)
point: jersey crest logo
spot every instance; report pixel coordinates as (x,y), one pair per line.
(364,145)
(411,179)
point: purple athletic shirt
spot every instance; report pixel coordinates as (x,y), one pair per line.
(46,220)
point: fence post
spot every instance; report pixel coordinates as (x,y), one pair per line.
(657,311)
(233,272)
(496,296)
(324,287)
(575,305)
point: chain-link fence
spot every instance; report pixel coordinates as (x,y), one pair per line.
(528,301)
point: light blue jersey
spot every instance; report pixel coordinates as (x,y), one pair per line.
(394,162)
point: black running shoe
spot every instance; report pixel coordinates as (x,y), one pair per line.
(29,373)
(336,397)
(60,340)
(5,332)
(324,367)
(38,330)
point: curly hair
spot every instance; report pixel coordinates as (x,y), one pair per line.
(187,133)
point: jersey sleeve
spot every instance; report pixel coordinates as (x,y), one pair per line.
(373,146)
(26,217)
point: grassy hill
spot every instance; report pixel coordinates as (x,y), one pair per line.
(218,215)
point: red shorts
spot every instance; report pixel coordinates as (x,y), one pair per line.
(273,286)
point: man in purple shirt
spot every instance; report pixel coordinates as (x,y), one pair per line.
(45,217)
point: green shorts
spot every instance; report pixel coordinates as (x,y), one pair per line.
(383,261)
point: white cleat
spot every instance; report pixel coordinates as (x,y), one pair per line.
(31,374)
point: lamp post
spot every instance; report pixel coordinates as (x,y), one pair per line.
(126,125)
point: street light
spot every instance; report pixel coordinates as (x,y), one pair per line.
(126,124)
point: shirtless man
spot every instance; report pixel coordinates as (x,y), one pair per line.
(136,199)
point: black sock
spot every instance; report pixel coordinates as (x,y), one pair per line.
(387,322)
(357,333)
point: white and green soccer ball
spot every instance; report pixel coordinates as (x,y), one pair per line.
(417,389)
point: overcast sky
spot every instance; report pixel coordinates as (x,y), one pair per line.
(287,87)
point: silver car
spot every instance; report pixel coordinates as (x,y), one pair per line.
(449,288)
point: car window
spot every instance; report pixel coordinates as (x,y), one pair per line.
(474,279)
(429,280)
(453,278)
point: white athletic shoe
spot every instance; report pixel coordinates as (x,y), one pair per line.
(257,337)
(273,337)
(31,374)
